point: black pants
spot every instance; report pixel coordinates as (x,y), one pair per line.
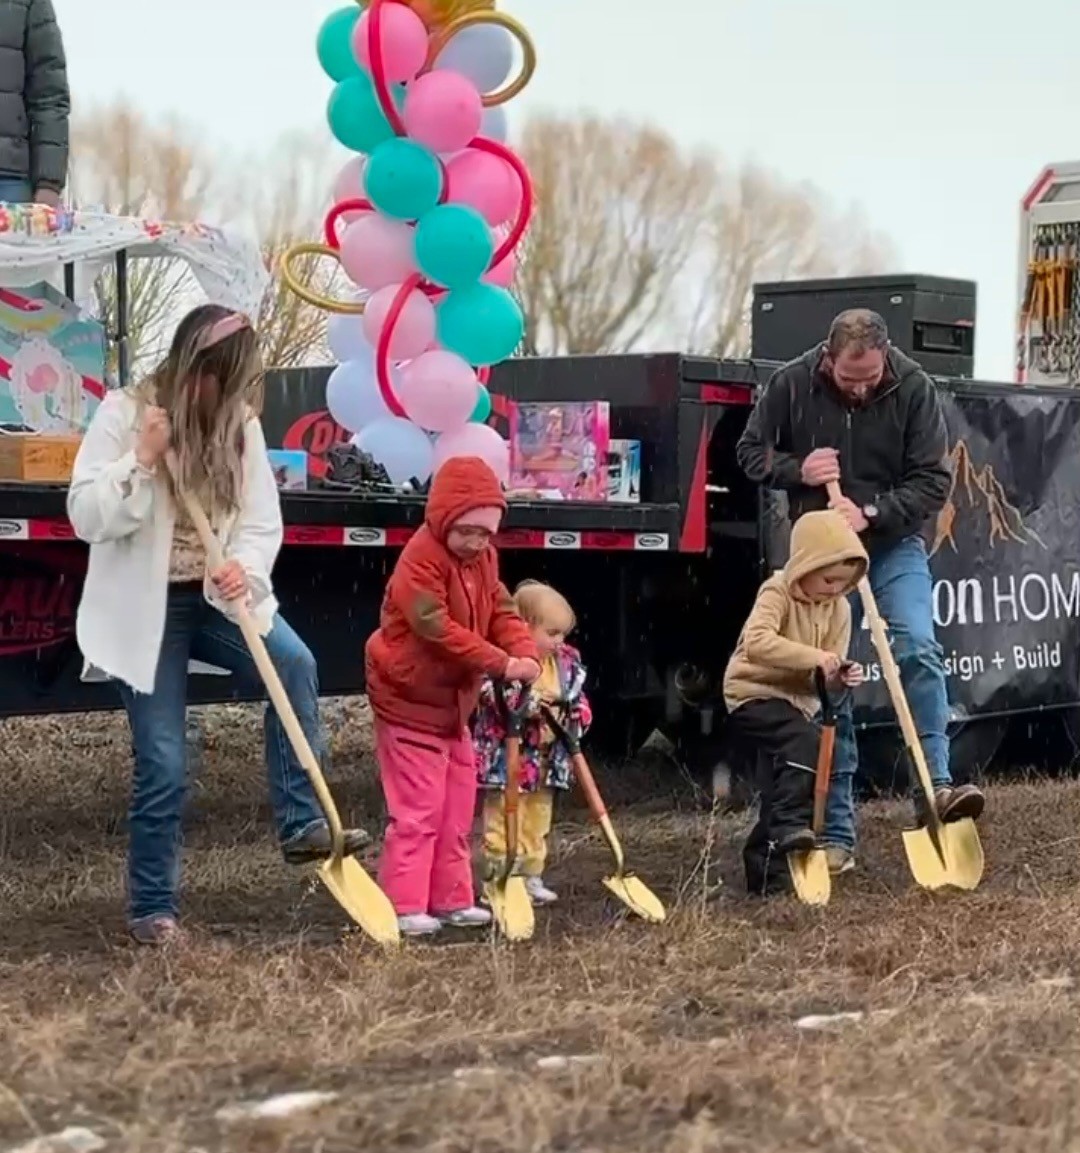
(787,743)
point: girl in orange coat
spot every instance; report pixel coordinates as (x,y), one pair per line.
(447,621)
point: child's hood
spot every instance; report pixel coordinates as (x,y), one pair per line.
(462,484)
(820,539)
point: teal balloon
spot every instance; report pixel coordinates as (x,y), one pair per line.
(483,406)
(482,323)
(403,179)
(355,115)
(454,245)
(334,43)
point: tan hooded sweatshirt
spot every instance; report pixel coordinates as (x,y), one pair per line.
(778,647)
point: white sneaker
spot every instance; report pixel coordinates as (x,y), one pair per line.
(418,925)
(539,893)
(473,918)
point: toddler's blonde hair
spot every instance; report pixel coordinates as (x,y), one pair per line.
(540,604)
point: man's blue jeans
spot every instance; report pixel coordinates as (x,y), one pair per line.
(194,630)
(902,585)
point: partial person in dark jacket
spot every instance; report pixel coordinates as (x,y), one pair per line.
(35,104)
(858,411)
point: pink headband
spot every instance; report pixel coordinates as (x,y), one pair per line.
(221,330)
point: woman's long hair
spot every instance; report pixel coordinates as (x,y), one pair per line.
(209,395)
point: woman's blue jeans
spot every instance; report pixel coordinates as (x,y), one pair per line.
(196,631)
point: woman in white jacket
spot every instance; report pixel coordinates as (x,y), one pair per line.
(149,605)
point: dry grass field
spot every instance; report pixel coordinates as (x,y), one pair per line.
(601,1035)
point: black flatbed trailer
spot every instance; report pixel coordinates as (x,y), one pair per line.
(657,586)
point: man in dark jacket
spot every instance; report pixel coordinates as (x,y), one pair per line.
(857,411)
(34,104)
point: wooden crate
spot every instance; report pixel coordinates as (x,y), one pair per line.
(37,457)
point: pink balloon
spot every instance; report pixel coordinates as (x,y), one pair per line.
(350,180)
(502,275)
(486,183)
(415,326)
(438,391)
(377,251)
(443,111)
(403,40)
(475,440)
(348,186)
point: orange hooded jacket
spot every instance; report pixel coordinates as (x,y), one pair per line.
(445,623)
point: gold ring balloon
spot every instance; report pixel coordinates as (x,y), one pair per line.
(308,294)
(489,16)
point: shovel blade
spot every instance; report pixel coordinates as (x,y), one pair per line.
(637,897)
(358,894)
(511,907)
(964,862)
(810,876)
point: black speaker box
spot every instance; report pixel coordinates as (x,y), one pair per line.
(930,318)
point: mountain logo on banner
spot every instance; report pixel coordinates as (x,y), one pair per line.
(977,505)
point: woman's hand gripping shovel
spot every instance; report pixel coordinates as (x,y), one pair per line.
(353,889)
(505,892)
(810,870)
(938,854)
(628,888)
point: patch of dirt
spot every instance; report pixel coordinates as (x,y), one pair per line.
(971,1039)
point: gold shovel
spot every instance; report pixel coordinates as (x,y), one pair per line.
(810,870)
(628,888)
(938,854)
(353,889)
(505,892)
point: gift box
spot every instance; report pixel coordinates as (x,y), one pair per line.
(290,467)
(37,458)
(560,449)
(52,361)
(624,471)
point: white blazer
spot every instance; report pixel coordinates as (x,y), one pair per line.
(126,515)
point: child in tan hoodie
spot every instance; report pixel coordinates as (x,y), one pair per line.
(800,622)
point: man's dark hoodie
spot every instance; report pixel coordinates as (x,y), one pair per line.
(892,446)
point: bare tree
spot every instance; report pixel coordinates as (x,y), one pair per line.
(762,229)
(128,166)
(637,245)
(289,208)
(619,210)
(124,165)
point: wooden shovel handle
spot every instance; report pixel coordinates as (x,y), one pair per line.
(588,786)
(512,796)
(823,774)
(275,690)
(891,674)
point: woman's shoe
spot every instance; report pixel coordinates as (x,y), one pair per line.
(157,930)
(316,845)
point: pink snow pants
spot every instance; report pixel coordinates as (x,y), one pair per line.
(430,787)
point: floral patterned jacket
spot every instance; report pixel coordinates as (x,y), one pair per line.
(544,764)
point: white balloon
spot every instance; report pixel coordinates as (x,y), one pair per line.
(353,398)
(400,446)
(494,124)
(484,53)
(345,336)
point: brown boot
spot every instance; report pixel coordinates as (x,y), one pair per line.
(959,802)
(953,803)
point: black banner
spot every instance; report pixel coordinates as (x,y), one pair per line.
(1005,557)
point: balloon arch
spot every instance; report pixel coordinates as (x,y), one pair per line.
(426,223)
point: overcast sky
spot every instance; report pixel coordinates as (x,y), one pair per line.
(933,115)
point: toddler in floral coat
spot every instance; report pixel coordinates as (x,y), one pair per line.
(545,762)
